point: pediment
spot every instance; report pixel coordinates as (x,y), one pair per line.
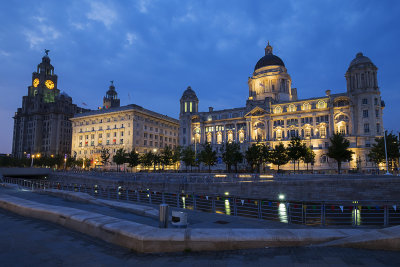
(257,111)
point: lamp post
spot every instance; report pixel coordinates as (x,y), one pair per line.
(32,157)
(387,164)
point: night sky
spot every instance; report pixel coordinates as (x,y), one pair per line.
(153,50)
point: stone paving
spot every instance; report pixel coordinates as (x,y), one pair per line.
(30,242)
(196,219)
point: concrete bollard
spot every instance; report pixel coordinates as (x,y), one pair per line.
(163,216)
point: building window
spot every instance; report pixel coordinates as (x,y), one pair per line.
(365,113)
(122,133)
(121,141)
(292,108)
(321,104)
(115,134)
(108,134)
(341,128)
(377,113)
(279,134)
(108,142)
(278,110)
(241,136)
(366,127)
(378,128)
(230,137)
(307,132)
(322,132)
(219,138)
(92,143)
(376,101)
(145,142)
(306,106)
(185,106)
(209,138)
(114,141)
(190,106)
(184,130)
(365,101)
(100,135)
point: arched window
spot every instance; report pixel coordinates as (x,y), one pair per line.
(306,106)
(321,104)
(278,134)
(241,136)
(230,137)
(278,110)
(209,138)
(291,108)
(219,138)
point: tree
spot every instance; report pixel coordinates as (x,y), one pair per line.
(188,157)
(254,156)
(377,153)
(176,155)
(120,157)
(208,156)
(166,156)
(309,156)
(339,149)
(232,155)
(79,162)
(155,159)
(86,162)
(295,151)
(279,156)
(146,159)
(105,156)
(132,159)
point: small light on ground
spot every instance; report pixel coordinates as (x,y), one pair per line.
(281,196)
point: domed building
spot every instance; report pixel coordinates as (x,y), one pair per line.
(274,114)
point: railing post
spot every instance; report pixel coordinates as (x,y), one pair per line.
(127,194)
(259,211)
(138,195)
(234,207)
(163,197)
(194,201)
(108,193)
(177,200)
(323,213)
(213,204)
(386,216)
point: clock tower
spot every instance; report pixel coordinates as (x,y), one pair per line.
(44,81)
(41,125)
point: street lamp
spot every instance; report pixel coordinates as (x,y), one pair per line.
(32,157)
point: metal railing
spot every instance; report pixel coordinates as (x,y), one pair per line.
(324,213)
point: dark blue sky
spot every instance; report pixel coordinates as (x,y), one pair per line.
(154,49)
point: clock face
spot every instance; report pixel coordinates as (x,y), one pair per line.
(35,82)
(49,84)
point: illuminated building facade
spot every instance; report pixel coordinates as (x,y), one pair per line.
(274,114)
(42,125)
(114,127)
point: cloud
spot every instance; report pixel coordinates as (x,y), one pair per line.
(4,53)
(143,5)
(131,38)
(103,13)
(40,35)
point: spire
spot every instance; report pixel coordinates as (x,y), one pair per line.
(268,49)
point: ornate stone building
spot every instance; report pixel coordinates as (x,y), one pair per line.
(273,114)
(114,127)
(42,124)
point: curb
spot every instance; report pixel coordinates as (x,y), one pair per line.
(147,239)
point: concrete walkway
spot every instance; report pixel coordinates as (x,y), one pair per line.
(32,242)
(145,238)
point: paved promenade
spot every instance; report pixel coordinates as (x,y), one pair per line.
(31,242)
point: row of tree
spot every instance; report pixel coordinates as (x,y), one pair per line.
(256,155)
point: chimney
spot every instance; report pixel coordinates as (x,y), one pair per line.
(210,109)
(328,92)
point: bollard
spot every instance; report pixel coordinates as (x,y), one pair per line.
(163,221)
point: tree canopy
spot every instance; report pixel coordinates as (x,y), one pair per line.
(339,149)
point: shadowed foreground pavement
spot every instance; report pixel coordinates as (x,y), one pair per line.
(30,242)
